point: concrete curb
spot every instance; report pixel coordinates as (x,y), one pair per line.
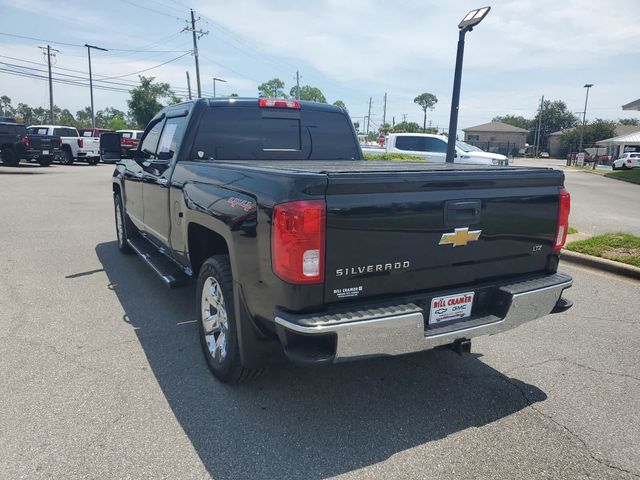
(601,264)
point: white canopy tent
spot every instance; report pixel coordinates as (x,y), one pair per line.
(622,143)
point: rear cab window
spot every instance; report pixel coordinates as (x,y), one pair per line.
(253,133)
(38,130)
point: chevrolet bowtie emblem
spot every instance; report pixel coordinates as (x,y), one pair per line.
(460,237)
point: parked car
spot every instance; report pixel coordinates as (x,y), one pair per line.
(73,145)
(41,148)
(627,160)
(433,148)
(543,155)
(91,138)
(11,146)
(129,140)
(302,250)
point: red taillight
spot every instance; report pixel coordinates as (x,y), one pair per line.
(80,142)
(275,103)
(25,141)
(297,241)
(563,219)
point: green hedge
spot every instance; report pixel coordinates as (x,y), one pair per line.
(395,157)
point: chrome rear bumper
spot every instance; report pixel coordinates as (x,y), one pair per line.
(400,329)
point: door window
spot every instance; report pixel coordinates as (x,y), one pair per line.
(150,141)
(171,137)
(435,145)
(411,144)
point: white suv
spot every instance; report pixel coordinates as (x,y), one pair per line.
(627,160)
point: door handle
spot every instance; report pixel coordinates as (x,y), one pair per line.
(464,212)
(163,181)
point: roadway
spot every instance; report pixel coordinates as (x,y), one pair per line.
(102,375)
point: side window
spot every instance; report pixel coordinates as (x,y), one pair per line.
(59,131)
(435,145)
(171,137)
(410,144)
(150,140)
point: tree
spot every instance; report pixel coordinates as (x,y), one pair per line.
(340,104)
(109,115)
(426,101)
(274,88)
(515,120)
(65,117)
(555,117)
(309,93)
(594,131)
(406,127)
(356,125)
(145,99)
(83,118)
(385,128)
(234,95)
(629,121)
(5,103)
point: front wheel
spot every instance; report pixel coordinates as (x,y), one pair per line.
(93,160)
(217,326)
(123,227)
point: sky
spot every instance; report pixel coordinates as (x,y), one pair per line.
(350,50)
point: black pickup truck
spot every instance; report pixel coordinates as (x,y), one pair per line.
(18,142)
(302,250)
(40,147)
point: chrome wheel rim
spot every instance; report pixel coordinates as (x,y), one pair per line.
(119,225)
(214,319)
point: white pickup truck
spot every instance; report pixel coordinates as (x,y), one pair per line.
(73,145)
(433,148)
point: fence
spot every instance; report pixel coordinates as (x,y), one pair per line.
(509,149)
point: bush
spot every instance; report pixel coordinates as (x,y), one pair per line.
(396,157)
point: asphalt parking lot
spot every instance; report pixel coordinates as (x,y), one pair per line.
(102,376)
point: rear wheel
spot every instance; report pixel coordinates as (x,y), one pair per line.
(67,157)
(9,157)
(217,326)
(44,161)
(93,160)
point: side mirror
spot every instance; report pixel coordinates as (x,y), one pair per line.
(110,150)
(165,156)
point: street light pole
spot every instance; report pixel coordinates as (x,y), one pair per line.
(472,18)
(214,84)
(89,47)
(584,115)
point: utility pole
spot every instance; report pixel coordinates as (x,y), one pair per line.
(297,85)
(49,54)
(89,47)
(539,125)
(404,117)
(393,121)
(215,79)
(196,35)
(384,110)
(369,116)
(189,84)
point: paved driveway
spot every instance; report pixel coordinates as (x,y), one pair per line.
(101,375)
(598,204)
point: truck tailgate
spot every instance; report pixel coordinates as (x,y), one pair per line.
(411,231)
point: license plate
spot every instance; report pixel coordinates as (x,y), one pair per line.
(45,152)
(451,307)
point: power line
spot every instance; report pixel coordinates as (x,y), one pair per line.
(82,46)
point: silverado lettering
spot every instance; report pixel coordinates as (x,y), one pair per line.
(380,267)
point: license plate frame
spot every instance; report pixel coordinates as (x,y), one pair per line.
(448,308)
(45,152)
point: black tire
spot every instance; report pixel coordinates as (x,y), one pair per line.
(45,161)
(93,160)
(125,229)
(227,368)
(9,157)
(67,157)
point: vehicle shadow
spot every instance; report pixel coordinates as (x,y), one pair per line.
(296,422)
